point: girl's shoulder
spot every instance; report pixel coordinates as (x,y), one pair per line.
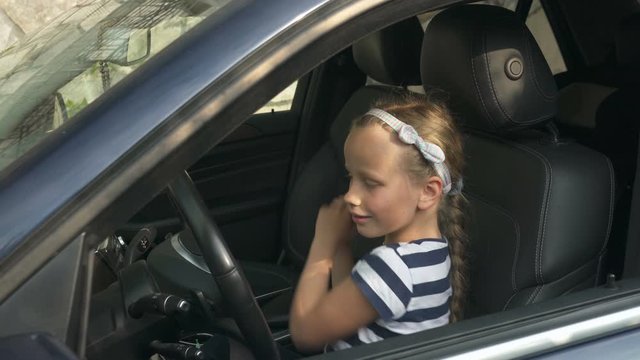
(417,253)
(425,244)
(417,249)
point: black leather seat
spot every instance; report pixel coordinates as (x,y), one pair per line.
(541,207)
(390,56)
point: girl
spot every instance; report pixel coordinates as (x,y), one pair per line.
(405,161)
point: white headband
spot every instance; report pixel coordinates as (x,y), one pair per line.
(430,151)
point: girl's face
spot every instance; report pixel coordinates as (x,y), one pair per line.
(382,199)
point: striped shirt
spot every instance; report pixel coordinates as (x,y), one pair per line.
(408,284)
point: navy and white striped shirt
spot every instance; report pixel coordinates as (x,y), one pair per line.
(408,284)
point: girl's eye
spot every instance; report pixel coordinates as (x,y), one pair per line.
(371,183)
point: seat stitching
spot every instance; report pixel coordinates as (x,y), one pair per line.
(612,185)
(544,210)
(509,301)
(504,211)
(535,294)
(581,267)
(535,81)
(611,199)
(545,202)
(535,78)
(493,90)
(544,226)
(598,268)
(543,206)
(478,90)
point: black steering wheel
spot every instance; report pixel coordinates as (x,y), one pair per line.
(234,287)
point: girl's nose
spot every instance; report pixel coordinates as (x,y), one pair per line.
(351,198)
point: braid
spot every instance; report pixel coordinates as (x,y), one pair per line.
(452,216)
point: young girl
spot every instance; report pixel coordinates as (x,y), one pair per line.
(405,161)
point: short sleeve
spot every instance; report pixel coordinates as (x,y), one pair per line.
(385,281)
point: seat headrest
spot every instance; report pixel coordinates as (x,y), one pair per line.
(392,55)
(492,67)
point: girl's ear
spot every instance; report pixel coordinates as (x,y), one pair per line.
(430,193)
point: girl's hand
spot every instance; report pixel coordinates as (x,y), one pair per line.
(333,225)
(320,315)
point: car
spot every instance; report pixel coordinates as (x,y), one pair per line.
(154,207)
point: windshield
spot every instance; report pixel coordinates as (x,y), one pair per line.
(50,76)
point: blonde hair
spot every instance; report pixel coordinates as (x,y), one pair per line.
(432,119)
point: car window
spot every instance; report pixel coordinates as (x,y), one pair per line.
(538,24)
(49,77)
(281,102)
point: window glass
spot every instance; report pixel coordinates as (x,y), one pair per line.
(47,78)
(141,44)
(539,26)
(281,102)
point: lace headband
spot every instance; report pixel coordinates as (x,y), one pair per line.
(430,151)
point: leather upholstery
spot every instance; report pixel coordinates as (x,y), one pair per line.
(377,54)
(541,215)
(541,207)
(494,67)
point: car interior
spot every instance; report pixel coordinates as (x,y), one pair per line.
(551,164)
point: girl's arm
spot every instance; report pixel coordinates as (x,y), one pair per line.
(342,264)
(319,315)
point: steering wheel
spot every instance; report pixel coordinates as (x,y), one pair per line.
(234,287)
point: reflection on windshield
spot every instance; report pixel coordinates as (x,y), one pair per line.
(52,75)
